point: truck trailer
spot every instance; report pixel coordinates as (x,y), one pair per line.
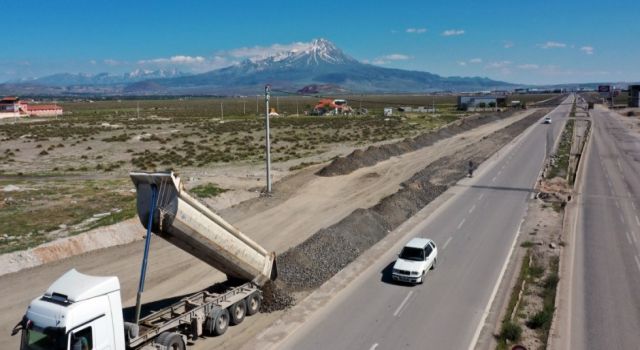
(79,312)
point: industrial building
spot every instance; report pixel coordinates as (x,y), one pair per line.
(472,102)
(634,96)
(13,107)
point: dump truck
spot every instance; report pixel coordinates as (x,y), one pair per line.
(79,312)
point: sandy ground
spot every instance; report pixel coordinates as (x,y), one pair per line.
(302,204)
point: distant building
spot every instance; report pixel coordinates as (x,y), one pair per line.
(388,111)
(13,107)
(634,96)
(332,107)
(472,102)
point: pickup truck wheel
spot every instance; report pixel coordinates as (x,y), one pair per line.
(238,311)
(171,341)
(253,304)
(221,322)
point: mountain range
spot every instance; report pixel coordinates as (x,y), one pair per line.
(318,66)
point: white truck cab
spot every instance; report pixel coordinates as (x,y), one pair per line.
(77,312)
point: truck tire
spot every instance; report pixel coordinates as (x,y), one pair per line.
(131,330)
(238,311)
(253,304)
(171,341)
(221,322)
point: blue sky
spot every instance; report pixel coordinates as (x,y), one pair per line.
(537,42)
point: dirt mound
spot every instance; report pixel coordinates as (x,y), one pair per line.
(374,154)
(314,261)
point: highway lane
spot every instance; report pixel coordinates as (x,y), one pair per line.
(605,293)
(475,232)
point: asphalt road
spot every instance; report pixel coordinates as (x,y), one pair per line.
(605,292)
(475,232)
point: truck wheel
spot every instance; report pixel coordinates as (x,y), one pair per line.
(221,322)
(238,312)
(171,341)
(253,304)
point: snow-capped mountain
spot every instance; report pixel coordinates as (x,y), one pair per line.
(318,63)
(71,79)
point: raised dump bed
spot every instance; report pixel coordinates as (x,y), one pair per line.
(189,225)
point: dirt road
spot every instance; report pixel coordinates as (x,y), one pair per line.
(303,204)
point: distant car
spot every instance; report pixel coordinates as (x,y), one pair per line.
(547,120)
(417,257)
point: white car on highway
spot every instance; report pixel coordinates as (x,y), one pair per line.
(547,120)
(417,257)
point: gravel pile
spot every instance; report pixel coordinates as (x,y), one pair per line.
(374,154)
(314,261)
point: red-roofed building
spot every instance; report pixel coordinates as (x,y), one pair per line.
(12,107)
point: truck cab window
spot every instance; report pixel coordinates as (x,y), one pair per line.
(82,339)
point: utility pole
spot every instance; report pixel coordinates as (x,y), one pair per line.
(137,108)
(222,110)
(244,107)
(267,149)
(297,108)
(277,104)
(257,111)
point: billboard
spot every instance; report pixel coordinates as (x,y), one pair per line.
(604,89)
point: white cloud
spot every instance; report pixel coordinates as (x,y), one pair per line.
(111,62)
(453,32)
(391,57)
(396,57)
(259,52)
(93,62)
(587,50)
(416,30)
(528,66)
(552,45)
(179,59)
(507,44)
(462,63)
(475,60)
(498,64)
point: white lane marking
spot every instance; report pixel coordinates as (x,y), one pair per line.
(637,262)
(619,165)
(461,223)
(473,207)
(621,218)
(487,308)
(499,172)
(632,203)
(446,243)
(633,236)
(637,220)
(628,237)
(402,304)
(494,179)
(374,346)
(617,205)
(481,196)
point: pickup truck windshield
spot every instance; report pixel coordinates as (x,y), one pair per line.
(33,339)
(415,254)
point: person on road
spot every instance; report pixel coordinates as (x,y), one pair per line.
(470,168)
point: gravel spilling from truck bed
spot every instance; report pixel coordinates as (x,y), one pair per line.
(374,154)
(314,261)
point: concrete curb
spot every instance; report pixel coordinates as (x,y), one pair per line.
(558,339)
(120,233)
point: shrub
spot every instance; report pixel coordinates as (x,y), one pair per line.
(510,331)
(540,319)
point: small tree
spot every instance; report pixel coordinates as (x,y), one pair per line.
(492,105)
(482,105)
